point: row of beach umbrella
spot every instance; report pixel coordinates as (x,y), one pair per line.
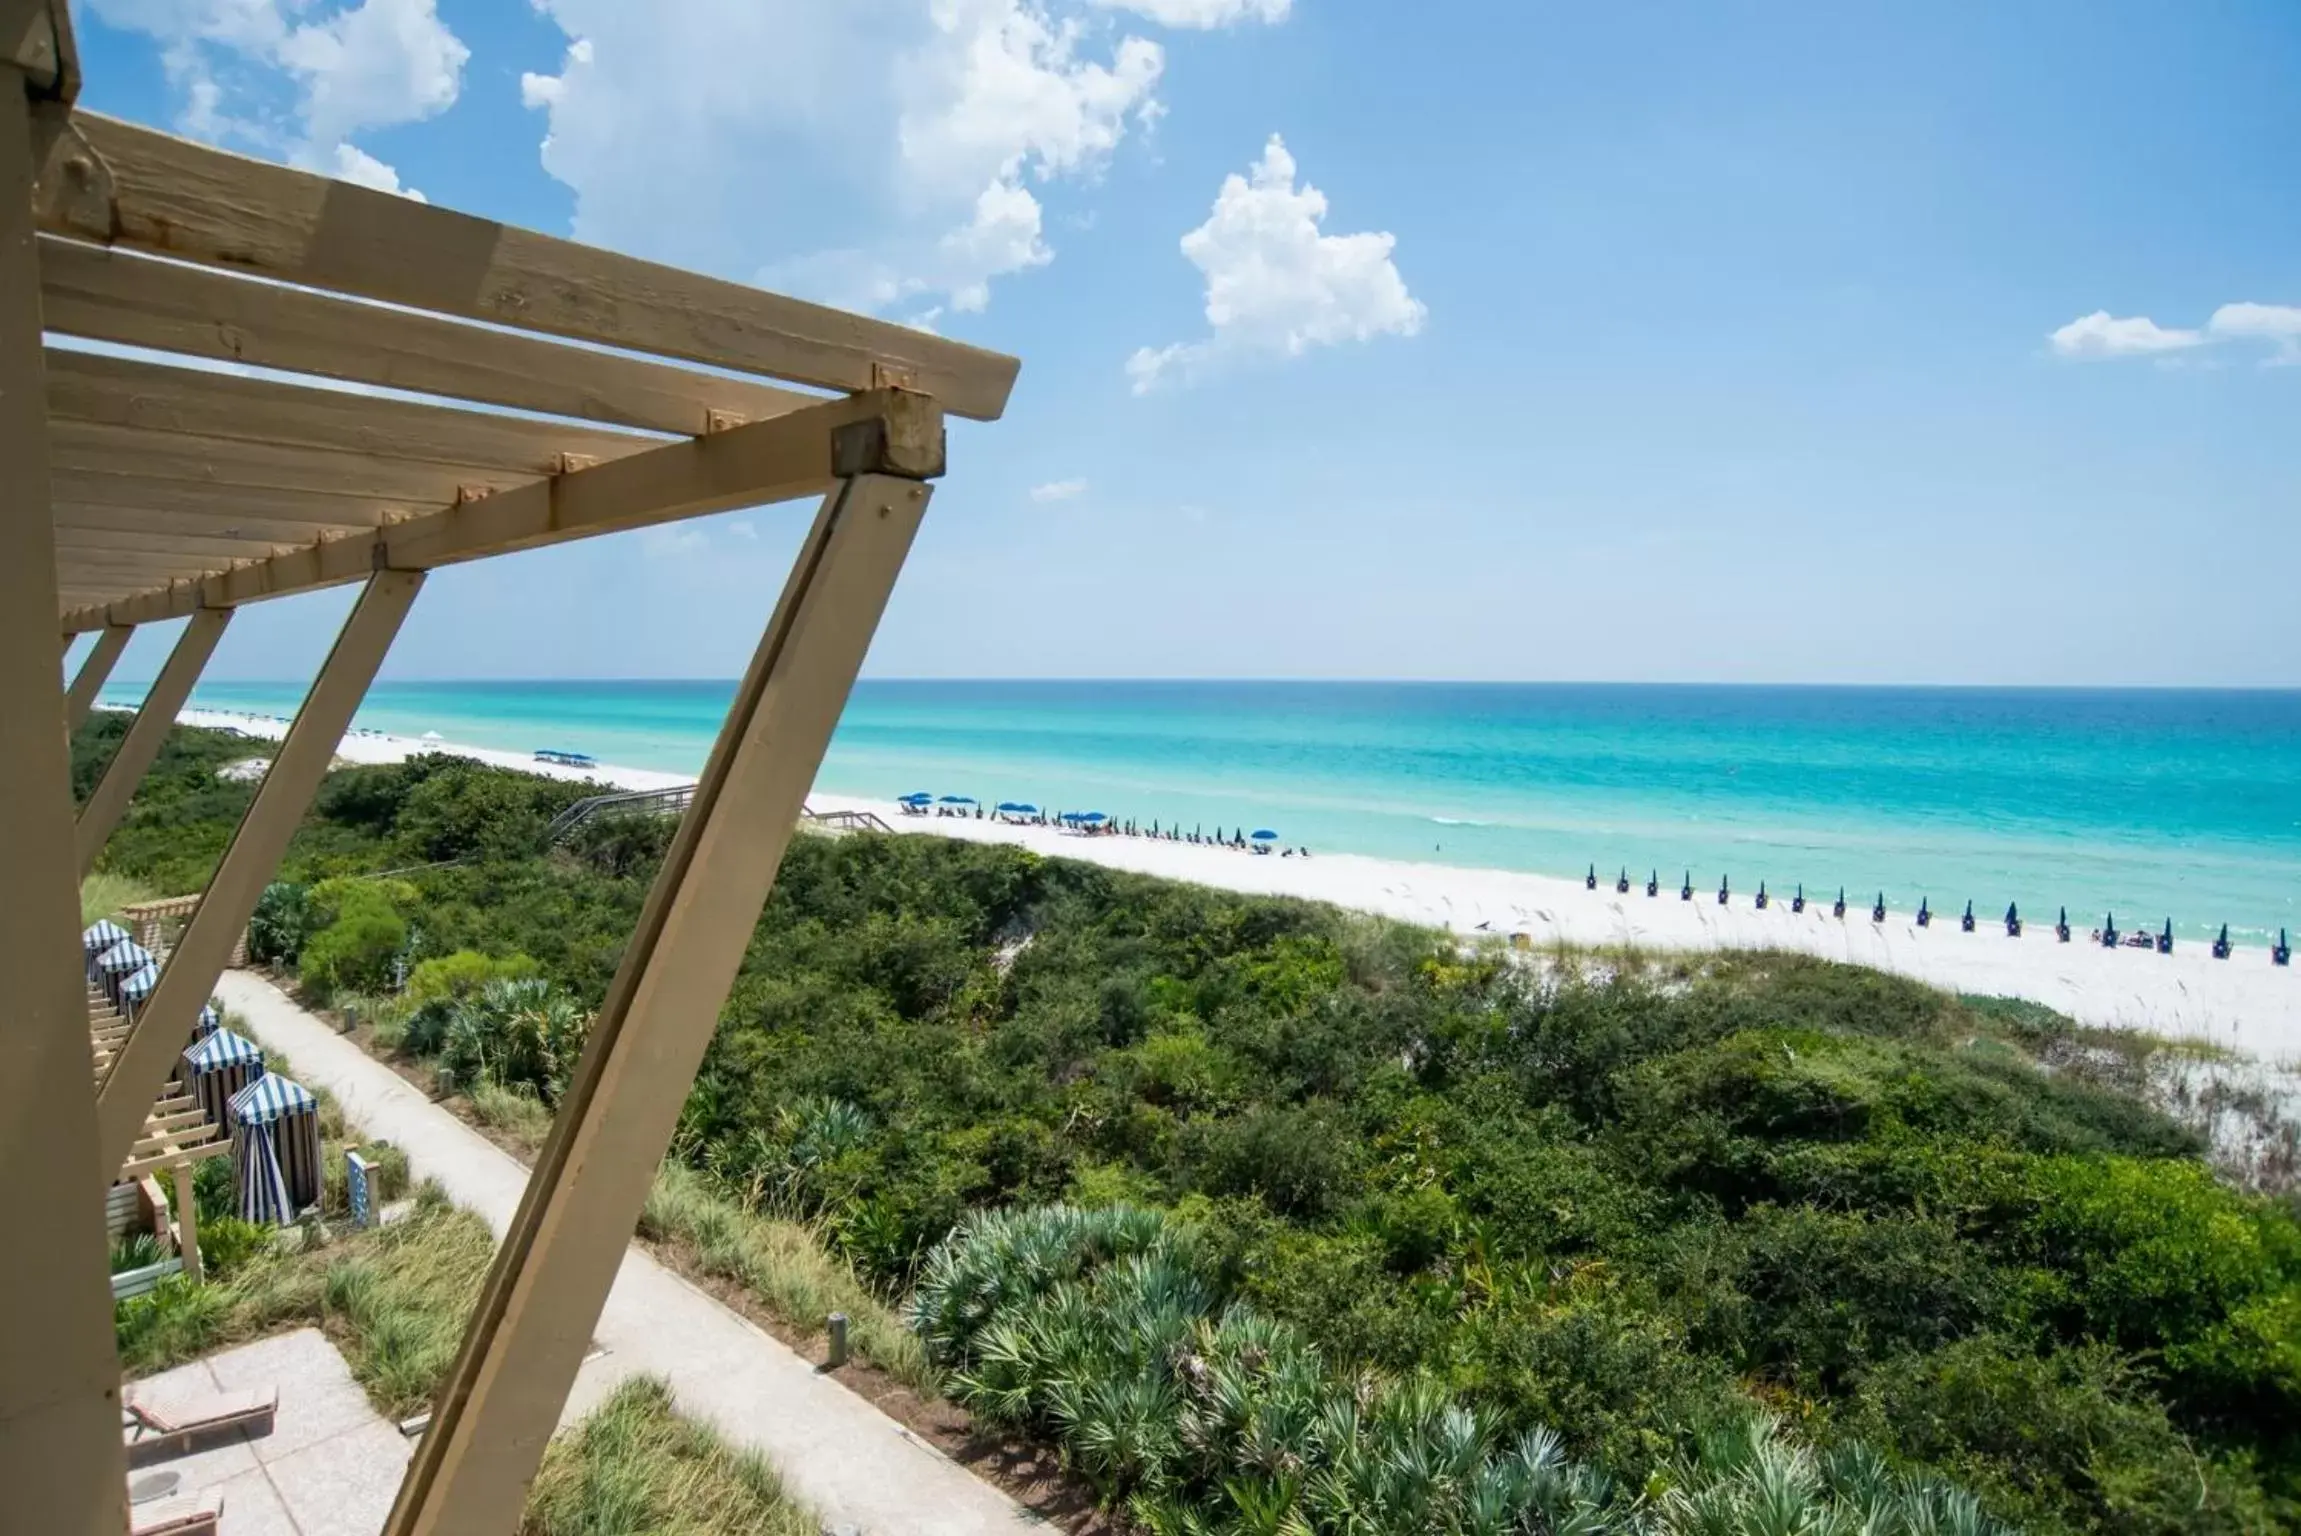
(2108,934)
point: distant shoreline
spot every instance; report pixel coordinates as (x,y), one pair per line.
(2243,1003)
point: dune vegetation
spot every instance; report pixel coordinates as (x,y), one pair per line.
(1278,1218)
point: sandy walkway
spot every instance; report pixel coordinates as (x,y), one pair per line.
(2242,1002)
(855,1467)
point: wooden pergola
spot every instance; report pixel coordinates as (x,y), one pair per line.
(301,383)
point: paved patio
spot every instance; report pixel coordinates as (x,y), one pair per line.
(329,1467)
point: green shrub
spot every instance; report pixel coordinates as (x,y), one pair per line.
(227,1243)
(356,933)
(279,925)
(447,980)
(135,1250)
(1096,1329)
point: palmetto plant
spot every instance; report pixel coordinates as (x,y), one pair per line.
(1207,1419)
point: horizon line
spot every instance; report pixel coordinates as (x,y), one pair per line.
(1339,682)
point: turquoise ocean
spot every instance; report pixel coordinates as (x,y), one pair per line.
(2148,803)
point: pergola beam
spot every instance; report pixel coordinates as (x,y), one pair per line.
(165,1021)
(132,759)
(203,403)
(111,640)
(119,184)
(774,460)
(61,1468)
(116,296)
(553,1271)
(110,491)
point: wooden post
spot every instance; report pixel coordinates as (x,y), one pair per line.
(60,1464)
(187,1222)
(550,1277)
(89,680)
(165,1021)
(108,802)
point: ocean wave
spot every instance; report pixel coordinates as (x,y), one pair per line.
(1457,821)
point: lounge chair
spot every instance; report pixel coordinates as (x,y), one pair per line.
(184,1514)
(151,1434)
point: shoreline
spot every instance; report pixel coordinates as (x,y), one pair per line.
(2242,1003)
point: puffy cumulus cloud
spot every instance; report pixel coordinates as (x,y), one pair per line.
(2277,324)
(1202,15)
(1276,284)
(1059,490)
(355,164)
(890,154)
(2102,335)
(376,64)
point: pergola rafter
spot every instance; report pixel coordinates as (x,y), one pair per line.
(566,392)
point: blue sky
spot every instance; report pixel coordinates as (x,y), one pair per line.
(1773,343)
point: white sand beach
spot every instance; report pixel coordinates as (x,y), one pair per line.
(2243,1003)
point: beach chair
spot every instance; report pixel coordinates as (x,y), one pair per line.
(2283,953)
(1590,881)
(1721,890)
(1965,923)
(1622,882)
(2012,921)
(1686,890)
(1798,902)
(184,1514)
(1654,883)
(2221,945)
(1925,914)
(1761,902)
(151,1434)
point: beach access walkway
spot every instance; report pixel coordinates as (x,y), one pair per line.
(854,1467)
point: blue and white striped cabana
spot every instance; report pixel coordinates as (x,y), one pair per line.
(216,1068)
(275,1126)
(129,991)
(100,936)
(207,1023)
(120,960)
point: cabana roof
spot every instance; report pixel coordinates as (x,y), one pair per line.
(268,1098)
(224,1048)
(177,485)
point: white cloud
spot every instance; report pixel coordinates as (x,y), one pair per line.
(890,154)
(1275,284)
(1202,15)
(2102,334)
(673,542)
(2277,324)
(376,64)
(355,164)
(1058,490)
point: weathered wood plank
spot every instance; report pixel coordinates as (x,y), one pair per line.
(767,461)
(124,392)
(118,183)
(83,490)
(113,295)
(102,448)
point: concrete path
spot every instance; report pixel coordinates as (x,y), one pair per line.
(848,1462)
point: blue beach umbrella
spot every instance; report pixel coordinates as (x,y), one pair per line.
(1089,818)
(1265,836)
(958,800)
(917,797)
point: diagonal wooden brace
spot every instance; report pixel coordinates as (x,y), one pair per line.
(164,1024)
(132,759)
(89,680)
(552,1275)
